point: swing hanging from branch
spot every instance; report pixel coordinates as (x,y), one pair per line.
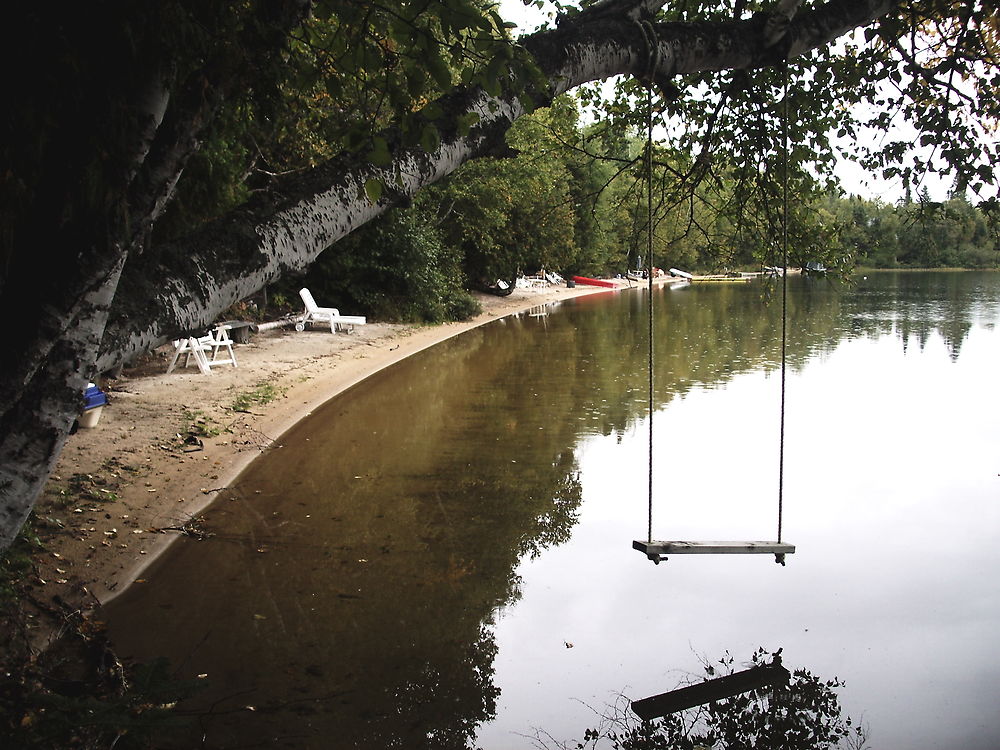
(658,551)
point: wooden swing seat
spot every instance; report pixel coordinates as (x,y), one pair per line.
(659,550)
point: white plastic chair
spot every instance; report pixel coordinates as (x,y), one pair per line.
(199,349)
(316,314)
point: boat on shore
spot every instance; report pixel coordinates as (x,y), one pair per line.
(594,282)
(815,268)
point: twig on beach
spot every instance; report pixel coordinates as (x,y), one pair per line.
(189,528)
(256,439)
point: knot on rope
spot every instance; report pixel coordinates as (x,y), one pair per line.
(651,75)
(649,40)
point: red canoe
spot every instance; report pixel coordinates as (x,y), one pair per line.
(594,282)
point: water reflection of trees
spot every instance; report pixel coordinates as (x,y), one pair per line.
(804,714)
(507,405)
(916,306)
(360,568)
(350,590)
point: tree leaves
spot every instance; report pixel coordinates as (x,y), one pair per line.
(351,70)
(439,71)
(380,155)
(430,139)
(373,189)
(465,122)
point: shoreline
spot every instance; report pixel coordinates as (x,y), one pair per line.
(165,445)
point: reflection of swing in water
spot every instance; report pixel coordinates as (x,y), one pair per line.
(718,689)
(659,550)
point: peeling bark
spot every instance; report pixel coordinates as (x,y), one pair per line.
(35,424)
(182,287)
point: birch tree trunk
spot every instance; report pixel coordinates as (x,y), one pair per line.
(182,287)
(119,126)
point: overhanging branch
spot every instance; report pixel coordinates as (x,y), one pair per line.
(184,286)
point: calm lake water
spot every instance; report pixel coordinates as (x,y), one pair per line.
(442,555)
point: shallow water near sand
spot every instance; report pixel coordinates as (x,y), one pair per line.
(443,554)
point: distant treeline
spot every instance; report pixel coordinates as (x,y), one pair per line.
(917,234)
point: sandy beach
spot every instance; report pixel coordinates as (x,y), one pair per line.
(166,445)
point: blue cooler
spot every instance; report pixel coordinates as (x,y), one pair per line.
(94,401)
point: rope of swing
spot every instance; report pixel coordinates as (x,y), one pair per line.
(649,279)
(784,294)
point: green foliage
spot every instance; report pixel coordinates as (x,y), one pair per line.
(16,563)
(397,268)
(215,178)
(923,234)
(544,208)
(496,218)
(720,165)
(350,71)
(199,425)
(262,393)
(936,67)
(368,79)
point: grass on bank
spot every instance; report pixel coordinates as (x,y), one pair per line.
(262,393)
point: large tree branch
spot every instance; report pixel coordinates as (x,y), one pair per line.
(187,284)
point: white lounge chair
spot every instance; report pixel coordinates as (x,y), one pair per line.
(331,315)
(199,348)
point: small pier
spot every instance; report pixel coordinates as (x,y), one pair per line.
(742,278)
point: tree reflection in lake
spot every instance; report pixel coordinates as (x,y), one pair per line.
(357,573)
(803,713)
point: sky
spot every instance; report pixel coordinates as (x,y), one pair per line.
(854,180)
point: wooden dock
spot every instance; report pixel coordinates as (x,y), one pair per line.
(744,278)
